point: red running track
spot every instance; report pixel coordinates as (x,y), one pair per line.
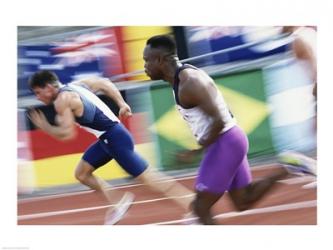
(290,203)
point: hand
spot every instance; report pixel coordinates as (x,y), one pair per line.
(187,156)
(203,142)
(125,111)
(38,118)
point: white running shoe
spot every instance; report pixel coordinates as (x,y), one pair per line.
(310,185)
(298,163)
(190,219)
(114,215)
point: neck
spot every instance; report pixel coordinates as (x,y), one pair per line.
(170,71)
(55,94)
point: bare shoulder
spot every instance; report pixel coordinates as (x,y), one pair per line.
(302,49)
(189,75)
(192,88)
(299,42)
(65,100)
(193,80)
(63,97)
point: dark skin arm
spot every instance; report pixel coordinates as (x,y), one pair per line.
(187,156)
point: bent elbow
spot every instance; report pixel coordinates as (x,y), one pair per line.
(68,135)
(219,124)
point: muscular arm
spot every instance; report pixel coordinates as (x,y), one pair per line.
(65,128)
(105,86)
(197,90)
(303,51)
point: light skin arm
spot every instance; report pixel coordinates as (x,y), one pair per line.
(65,128)
(105,86)
(303,51)
(196,90)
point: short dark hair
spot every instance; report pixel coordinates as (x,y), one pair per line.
(42,78)
(165,42)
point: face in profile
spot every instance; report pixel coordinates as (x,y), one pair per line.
(45,94)
(152,58)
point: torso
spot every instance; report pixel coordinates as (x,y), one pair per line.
(199,121)
(75,103)
(89,111)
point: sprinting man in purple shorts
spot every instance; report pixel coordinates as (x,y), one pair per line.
(224,166)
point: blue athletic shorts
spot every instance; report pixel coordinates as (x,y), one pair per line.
(117,143)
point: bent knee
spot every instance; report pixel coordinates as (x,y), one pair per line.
(199,206)
(146,176)
(83,171)
(81,177)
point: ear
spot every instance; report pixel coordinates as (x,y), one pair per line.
(161,59)
(49,86)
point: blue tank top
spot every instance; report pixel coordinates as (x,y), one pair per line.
(97,117)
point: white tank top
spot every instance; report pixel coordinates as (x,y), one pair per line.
(198,121)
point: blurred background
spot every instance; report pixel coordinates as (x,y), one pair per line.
(266,88)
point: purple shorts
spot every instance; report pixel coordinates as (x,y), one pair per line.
(224,165)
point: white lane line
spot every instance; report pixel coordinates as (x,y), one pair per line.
(33,199)
(52,196)
(78,210)
(290,181)
(310,185)
(272,209)
(186,177)
(299,180)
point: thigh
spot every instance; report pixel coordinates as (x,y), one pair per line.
(243,176)
(84,168)
(121,146)
(221,162)
(131,162)
(96,156)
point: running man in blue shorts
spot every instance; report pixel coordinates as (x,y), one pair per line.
(77,103)
(224,166)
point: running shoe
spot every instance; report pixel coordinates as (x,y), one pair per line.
(114,215)
(298,163)
(190,219)
(310,185)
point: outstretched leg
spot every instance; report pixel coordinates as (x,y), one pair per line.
(122,150)
(244,198)
(202,205)
(84,174)
(120,201)
(168,186)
